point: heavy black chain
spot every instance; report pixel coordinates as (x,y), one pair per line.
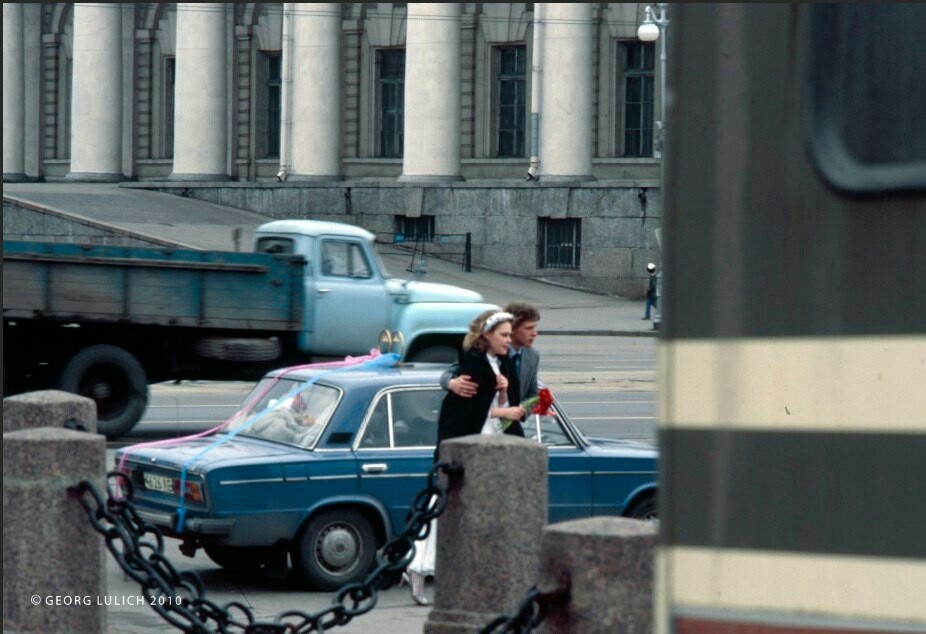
(532,611)
(180,597)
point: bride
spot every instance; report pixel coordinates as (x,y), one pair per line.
(485,359)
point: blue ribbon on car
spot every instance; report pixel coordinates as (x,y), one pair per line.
(382,361)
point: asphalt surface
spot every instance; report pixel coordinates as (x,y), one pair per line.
(189,223)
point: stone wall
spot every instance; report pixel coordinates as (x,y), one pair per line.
(25,222)
(618,222)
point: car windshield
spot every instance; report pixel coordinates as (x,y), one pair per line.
(285,410)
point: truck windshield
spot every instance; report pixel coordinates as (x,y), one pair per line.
(287,411)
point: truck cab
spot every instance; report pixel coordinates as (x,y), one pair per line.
(351,302)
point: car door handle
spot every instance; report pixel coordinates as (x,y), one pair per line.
(375,468)
(322,291)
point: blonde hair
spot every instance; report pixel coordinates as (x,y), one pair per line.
(476,336)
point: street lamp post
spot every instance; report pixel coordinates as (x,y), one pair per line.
(653,28)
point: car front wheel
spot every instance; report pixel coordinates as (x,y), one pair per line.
(335,547)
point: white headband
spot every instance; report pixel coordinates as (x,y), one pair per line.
(494,319)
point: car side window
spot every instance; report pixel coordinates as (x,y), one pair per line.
(414,417)
(403,418)
(376,434)
(549,428)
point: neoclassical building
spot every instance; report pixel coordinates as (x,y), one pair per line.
(418,118)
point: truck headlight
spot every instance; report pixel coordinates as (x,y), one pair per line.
(391,341)
(385,341)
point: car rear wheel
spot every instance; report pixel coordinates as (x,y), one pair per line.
(336,547)
(239,558)
(646,509)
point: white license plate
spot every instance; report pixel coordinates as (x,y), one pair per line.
(160,483)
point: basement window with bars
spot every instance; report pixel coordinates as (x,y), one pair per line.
(559,243)
(408,229)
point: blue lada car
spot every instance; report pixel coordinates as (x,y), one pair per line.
(323,465)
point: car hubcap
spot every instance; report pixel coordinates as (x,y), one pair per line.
(337,548)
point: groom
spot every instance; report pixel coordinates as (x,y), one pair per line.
(522,354)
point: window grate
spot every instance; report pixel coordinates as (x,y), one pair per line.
(408,229)
(559,243)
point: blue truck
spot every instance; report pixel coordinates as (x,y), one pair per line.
(106,321)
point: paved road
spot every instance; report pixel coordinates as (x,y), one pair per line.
(605,384)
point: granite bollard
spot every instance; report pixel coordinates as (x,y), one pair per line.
(488,538)
(53,560)
(609,562)
(48,408)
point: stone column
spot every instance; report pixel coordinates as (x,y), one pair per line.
(566,108)
(488,538)
(201,97)
(48,408)
(432,93)
(50,549)
(14,93)
(315,141)
(96,106)
(609,562)
(49,546)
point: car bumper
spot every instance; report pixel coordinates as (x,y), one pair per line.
(197,525)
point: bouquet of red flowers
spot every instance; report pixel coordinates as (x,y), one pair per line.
(539,404)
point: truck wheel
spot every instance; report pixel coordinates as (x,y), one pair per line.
(238,349)
(336,547)
(435,354)
(112,378)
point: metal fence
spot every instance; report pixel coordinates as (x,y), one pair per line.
(442,245)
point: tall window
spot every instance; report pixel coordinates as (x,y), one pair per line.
(392,102)
(638,98)
(170,82)
(274,98)
(559,243)
(511,105)
(410,229)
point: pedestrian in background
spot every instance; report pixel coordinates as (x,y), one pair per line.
(650,290)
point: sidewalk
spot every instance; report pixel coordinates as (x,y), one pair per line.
(190,223)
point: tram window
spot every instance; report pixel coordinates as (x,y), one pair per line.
(867,84)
